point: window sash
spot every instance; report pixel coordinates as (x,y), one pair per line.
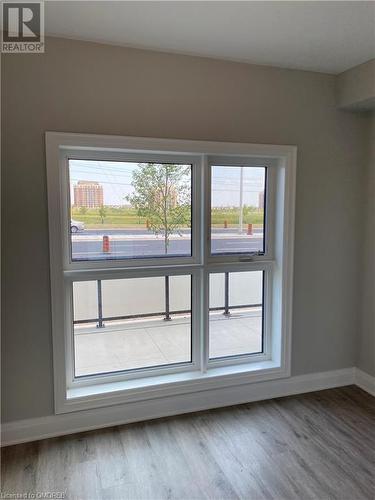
(269,208)
(196,313)
(267,269)
(136,157)
(200,212)
(199,320)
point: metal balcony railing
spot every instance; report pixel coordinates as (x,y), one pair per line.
(100,319)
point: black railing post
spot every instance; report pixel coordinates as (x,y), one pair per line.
(167,315)
(226,295)
(100,323)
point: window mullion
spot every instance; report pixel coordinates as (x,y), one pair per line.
(206,196)
(204,320)
(205,238)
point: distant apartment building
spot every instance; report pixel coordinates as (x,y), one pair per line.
(261,200)
(88,194)
(173,197)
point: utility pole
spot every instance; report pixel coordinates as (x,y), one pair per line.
(240,228)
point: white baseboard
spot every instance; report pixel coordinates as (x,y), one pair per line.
(21,431)
(364,381)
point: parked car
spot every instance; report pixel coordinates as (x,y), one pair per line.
(76,226)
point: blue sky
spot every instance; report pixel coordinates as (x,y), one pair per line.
(116,177)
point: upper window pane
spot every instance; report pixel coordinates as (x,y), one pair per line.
(122,210)
(237,209)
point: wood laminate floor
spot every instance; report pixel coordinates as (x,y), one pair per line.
(312,446)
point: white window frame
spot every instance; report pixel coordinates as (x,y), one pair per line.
(73,394)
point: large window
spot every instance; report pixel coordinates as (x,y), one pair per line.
(170,265)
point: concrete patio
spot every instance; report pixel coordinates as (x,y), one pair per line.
(146,342)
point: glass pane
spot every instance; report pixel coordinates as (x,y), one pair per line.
(128,324)
(125,210)
(236,314)
(237,209)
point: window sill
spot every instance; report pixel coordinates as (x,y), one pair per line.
(129,391)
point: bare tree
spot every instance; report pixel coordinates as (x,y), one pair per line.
(162,194)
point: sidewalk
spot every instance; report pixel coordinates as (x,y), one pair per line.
(152,236)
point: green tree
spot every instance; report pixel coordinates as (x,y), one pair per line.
(162,195)
(83,210)
(102,213)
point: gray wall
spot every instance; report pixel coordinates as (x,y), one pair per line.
(366,351)
(356,87)
(85,87)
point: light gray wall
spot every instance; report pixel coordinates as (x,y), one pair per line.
(85,87)
(366,351)
(356,87)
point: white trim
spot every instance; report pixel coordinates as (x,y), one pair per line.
(57,425)
(364,381)
(116,142)
(190,380)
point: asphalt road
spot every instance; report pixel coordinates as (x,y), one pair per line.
(150,247)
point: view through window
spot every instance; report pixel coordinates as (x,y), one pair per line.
(127,324)
(236,314)
(237,209)
(125,210)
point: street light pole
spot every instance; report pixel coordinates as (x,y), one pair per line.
(241,201)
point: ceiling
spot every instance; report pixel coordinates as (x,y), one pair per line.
(318,36)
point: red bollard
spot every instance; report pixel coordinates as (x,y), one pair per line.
(225,224)
(250,229)
(106,245)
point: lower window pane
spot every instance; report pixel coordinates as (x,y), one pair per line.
(128,324)
(236,314)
